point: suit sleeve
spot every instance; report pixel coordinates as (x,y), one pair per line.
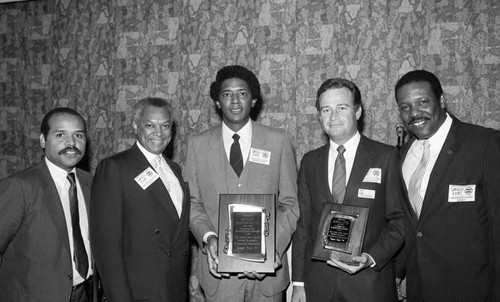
(199,221)
(301,237)
(11,212)
(287,207)
(391,238)
(106,233)
(491,188)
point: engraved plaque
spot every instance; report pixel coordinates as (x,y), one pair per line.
(248,224)
(341,232)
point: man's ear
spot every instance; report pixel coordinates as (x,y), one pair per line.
(442,101)
(42,141)
(254,101)
(358,112)
(217,103)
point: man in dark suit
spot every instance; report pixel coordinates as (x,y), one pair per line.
(44,242)
(267,166)
(452,224)
(353,170)
(139,215)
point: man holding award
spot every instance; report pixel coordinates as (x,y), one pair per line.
(350,227)
(248,161)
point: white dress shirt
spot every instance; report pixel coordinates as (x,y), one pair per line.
(415,153)
(59,176)
(174,187)
(351,146)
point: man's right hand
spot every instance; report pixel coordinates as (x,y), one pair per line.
(298,294)
(213,260)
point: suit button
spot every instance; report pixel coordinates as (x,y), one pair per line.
(157,231)
(169,254)
(419,234)
(185,254)
(239,185)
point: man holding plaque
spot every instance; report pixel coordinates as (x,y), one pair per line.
(452,221)
(240,156)
(352,171)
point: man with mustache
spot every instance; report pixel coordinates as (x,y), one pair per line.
(139,215)
(451,175)
(44,238)
(236,93)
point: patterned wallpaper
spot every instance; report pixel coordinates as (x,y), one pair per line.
(100,56)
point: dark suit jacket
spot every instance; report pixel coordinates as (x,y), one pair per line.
(140,245)
(453,251)
(384,233)
(35,259)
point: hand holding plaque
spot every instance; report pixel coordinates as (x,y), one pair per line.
(247,234)
(341,232)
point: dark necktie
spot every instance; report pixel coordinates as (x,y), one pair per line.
(79,253)
(235,157)
(339,178)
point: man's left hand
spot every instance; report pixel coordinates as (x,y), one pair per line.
(364,261)
(254,275)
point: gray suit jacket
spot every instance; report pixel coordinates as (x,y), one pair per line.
(35,259)
(209,174)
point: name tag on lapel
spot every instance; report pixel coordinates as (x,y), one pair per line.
(466,193)
(260,156)
(374,175)
(365,193)
(146,178)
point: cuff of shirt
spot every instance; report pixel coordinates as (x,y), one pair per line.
(373,260)
(208,234)
(296,283)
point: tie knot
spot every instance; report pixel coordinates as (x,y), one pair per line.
(71,178)
(236,137)
(426,144)
(341,150)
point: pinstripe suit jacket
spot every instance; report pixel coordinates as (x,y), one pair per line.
(35,259)
(452,251)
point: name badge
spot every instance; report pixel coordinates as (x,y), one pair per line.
(260,156)
(146,178)
(365,193)
(466,193)
(374,175)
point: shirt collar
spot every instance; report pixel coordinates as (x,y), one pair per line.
(245,132)
(350,145)
(57,172)
(149,156)
(437,140)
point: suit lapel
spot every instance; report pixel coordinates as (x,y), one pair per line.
(185,202)
(259,141)
(362,162)
(217,159)
(157,188)
(449,149)
(406,203)
(52,201)
(321,171)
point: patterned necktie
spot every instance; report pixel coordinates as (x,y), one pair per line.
(414,195)
(339,177)
(79,253)
(235,157)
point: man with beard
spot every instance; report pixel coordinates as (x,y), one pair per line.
(139,215)
(452,224)
(44,240)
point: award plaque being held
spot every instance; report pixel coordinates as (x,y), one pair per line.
(246,233)
(341,232)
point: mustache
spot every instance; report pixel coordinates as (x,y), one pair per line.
(75,149)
